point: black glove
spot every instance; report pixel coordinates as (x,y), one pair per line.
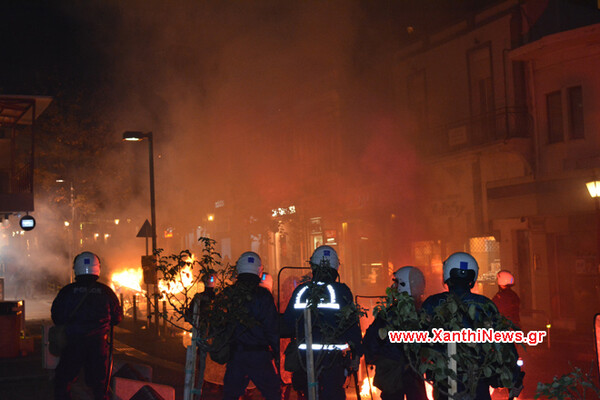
(515,391)
(354,364)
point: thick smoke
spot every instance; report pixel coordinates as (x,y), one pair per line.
(262,102)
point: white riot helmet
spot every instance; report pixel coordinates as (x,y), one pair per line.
(86,263)
(325,253)
(458,265)
(505,278)
(249,263)
(410,280)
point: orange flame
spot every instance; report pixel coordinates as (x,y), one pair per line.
(366,389)
(185,281)
(367,386)
(129,278)
(429,390)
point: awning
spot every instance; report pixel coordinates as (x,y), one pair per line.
(22,110)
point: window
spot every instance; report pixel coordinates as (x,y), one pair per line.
(575,112)
(555,117)
(573,123)
(486,251)
(481,93)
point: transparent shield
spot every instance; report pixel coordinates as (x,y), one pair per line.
(288,279)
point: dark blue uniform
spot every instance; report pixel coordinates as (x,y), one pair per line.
(254,346)
(377,349)
(87,334)
(332,377)
(436,300)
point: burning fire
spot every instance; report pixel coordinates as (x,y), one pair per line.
(186,279)
(129,278)
(429,390)
(367,388)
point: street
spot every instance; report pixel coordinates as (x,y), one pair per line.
(23,378)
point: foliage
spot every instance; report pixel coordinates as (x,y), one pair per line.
(475,361)
(213,317)
(187,272)
(398,310)
(230,307)
(574,386)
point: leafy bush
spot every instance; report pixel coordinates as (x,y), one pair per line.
(492,362)
(573,386)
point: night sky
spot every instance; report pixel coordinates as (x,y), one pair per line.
(49,45)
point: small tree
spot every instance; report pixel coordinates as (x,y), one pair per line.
(475,361)
(187,273)
(211,320)
(189,310)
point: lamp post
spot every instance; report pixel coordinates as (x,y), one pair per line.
(71,224)
(594,190)
(136,136)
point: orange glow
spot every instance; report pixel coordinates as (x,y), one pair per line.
(185,281)
(129,278)
(429,390)
(367,387)
(594,188)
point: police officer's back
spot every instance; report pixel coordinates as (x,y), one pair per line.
(89,309)
(332,338)
(460,271)
(255,341)
(394,375)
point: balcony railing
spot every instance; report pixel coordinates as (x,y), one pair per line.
(499,125)
(22,180)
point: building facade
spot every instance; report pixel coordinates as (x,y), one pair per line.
(509,130)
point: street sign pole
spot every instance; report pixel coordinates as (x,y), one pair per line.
(149,271)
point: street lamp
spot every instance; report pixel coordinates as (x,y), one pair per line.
(71,223)
(594,190)
(136,136)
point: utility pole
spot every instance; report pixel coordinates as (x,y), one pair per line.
(313,393)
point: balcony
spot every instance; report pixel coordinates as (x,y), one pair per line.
(17,120)
(500,125)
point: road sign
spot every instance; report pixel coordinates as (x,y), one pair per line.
(145,231)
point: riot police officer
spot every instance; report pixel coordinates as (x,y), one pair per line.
(394,376)
(460,271)
(255,347)
(336,343)
(89,309)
